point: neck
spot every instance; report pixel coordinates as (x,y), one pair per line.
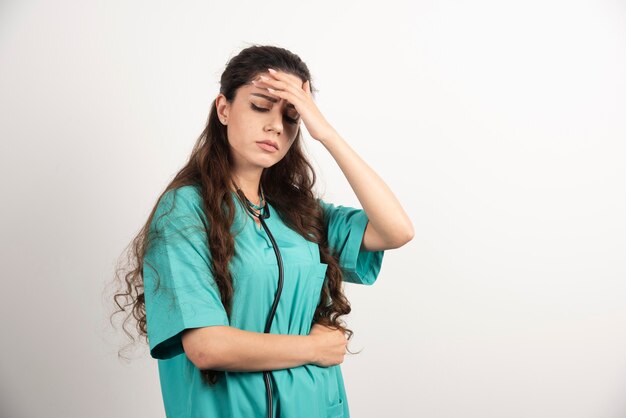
(248,181)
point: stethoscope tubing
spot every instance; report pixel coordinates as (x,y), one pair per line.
(270,318)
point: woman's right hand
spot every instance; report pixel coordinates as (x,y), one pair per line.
(329,345)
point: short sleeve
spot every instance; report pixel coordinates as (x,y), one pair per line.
(346,227)
(179,288)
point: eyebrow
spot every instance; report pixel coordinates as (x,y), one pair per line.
(271,99)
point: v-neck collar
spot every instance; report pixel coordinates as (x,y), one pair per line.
(247,215)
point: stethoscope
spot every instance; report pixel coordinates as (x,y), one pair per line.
(264,214)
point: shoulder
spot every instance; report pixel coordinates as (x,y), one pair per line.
(330,209)
(323,204)
(185,196)
(180,203)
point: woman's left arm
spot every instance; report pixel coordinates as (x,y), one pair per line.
(389,226)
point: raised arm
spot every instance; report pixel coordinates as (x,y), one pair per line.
(389,226)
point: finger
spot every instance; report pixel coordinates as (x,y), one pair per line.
(285,91)
(282,84)
(281,75)
(281,94)
(290,79)
(265,85)
(288,88)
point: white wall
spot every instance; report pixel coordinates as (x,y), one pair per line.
(499,125)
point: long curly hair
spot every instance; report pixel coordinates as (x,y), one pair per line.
(287,185)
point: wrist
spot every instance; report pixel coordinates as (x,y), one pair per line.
(310,349)
(331,137)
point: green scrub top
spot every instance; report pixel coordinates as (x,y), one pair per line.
(188,297)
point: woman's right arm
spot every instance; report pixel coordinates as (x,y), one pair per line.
(232,349)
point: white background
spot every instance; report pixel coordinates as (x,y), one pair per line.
(499,125)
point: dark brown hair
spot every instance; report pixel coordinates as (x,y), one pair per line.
(287,185)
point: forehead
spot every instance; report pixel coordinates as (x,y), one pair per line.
(264,94)
(253,91)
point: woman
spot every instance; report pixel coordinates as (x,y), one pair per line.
(240,266)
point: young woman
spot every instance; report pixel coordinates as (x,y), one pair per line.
(240,266)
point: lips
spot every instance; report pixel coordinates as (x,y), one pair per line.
(269,142)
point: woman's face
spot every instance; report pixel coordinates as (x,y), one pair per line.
(256,115)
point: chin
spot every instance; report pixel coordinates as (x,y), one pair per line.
(266,164)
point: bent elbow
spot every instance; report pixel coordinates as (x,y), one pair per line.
(203,360)
(410,234)
(202,346)
(407,235)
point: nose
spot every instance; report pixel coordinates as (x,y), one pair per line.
(275,121)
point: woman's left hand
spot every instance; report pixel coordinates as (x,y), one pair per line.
(287,86)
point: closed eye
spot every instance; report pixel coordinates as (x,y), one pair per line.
(262,109)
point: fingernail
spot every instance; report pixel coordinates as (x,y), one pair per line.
(271,71)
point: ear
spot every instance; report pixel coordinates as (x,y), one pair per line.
(307,86)
(223,107)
